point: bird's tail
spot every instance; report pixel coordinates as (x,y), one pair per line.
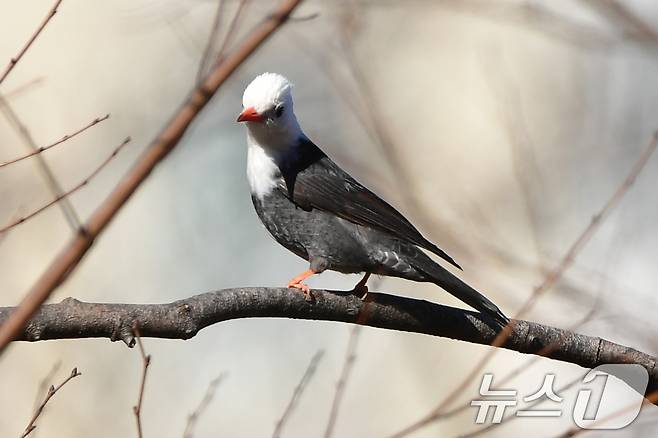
(453,285)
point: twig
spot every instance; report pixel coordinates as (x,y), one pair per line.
(45,383)
(69,257)
(52,145)
(210,44)
(232,28)
(183,319)
(146,361)
(67,208)
(297,393)
(51,392)
(69,192)
(547,284)
(205,402)
(350,358)
(13,61)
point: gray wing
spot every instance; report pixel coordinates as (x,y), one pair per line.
(321,184)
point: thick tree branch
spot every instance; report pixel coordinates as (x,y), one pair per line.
(183,319)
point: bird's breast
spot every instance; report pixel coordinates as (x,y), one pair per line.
(262,172)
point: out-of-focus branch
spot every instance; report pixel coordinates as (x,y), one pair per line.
(13,61)
(297,393)
(11,94)
(51,392)
(44,384)
(184,318)
(348,365)
(66,261)
(58,142)
(69,192)
(193,418)
(232,28)
(146,361)
(56,189)
(210,44)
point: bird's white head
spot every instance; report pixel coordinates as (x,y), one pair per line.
(267,110)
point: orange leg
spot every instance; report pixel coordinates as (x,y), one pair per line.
(297,283)
(361,288)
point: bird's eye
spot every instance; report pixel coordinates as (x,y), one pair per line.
(278,110)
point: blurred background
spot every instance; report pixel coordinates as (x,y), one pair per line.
(498,127)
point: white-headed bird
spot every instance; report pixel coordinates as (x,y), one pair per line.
(319,212)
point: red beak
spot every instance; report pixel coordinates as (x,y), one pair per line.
(250,115)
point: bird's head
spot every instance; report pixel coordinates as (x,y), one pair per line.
(267,110)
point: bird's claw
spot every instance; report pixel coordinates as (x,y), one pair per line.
(302,287)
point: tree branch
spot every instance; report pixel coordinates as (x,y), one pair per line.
(183,319)
(13,61)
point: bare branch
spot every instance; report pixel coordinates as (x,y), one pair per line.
(51,392)
(297,393)
(72,319)
(68,192)
(52,145)
(146,361)
(232,28)
(205,402)
(66,261)
(13,61)
(350,358)
(210,44)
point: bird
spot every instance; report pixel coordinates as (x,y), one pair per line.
(319,212)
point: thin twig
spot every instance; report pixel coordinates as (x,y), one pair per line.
(549,281)
(65,262)
(297,393)
(45,383)
(350,358)
(68,211)
(52,145)
(51,392)
(69,192)
(13,61)
(210,44)
(232,29)
(146,361)
(193,418)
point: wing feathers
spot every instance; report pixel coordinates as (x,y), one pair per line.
(314,181)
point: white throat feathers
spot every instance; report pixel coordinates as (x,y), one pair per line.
(277,135)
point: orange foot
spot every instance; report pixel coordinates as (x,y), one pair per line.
(297,284)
